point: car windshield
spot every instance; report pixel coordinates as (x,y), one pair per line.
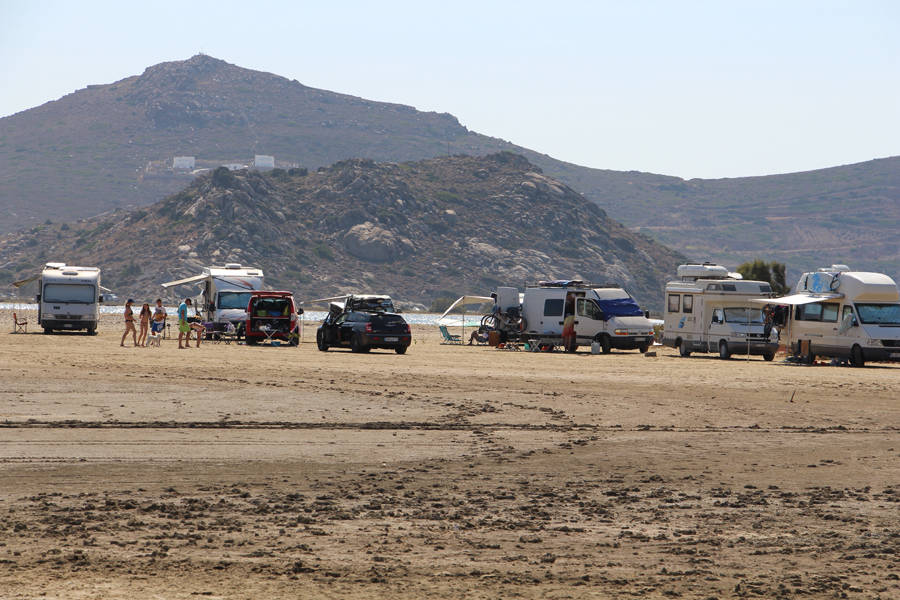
(879,314)
(744,315)
(234,300)
(69,292)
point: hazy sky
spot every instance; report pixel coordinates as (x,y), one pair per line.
(695,89)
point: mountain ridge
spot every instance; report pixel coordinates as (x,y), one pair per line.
(89,152)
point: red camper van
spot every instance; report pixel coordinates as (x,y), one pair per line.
(272,316)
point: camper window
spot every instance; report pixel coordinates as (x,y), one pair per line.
(674,302)
(830,312)
(67,292)
(713,286)
(553,307)
(718,316)
(688,304)
(879,314)
(809,312)
(238,300)
(728,287)
(587,308)
(744,315)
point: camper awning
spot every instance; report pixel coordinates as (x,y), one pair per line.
(22,282)
(795,299)
(183,281)
(465,300)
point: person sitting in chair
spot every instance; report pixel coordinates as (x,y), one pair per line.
(479,336)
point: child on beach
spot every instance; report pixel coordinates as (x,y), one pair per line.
(159,318)
(129,324)
(145,324)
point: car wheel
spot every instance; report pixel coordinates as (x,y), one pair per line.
(401,349)
(356,345)
(48,330)
(768,356)
(320,342)
(251,341)
(92,331)
(605,344)
(724,353)
(856,356)
(682,349)
(643,348)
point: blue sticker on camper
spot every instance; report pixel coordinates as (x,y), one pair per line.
(820,283)
(681,322)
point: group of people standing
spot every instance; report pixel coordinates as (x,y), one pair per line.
(154,321)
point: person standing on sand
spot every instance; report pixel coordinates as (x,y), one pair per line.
(184,328)
(145,324)
(159,318)
(129,324)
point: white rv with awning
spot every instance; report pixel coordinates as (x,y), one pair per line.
(708,309)
(839,313)
(68,297)
(225,292)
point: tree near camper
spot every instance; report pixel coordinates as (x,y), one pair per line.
(760,270)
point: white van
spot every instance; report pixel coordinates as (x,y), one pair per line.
(606,315)
(709,309)
(69,298)
(839,313)
(226,291)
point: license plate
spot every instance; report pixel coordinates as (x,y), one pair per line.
(637,339)
(895,355)
(391,339)
(67,324)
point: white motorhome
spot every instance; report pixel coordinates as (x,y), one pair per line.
(226,291)
(606,315)
(839,313)
(69,298)
(709,309)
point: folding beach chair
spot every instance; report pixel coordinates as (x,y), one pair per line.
(449,338)
(19,325)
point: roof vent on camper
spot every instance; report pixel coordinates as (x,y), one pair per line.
(55,265)
(704,271)
(233,266)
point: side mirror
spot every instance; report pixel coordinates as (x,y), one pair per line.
(853,322)
(299,311)
(37,298)
(212,306)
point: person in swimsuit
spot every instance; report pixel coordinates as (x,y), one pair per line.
(145,324)
(129,324)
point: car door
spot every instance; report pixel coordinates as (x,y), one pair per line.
(590,318)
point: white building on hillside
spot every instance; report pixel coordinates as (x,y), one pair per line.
(264,161)
(183,162)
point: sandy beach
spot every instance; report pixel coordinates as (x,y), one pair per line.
(228,471)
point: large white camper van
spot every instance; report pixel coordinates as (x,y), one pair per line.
(226,291)
(839,313)
(606,315)
(709,309)
(69,298)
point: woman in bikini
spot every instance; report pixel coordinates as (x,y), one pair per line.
(129,323)
(145,324)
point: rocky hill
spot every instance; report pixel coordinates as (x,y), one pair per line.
(109,146)
(417,230)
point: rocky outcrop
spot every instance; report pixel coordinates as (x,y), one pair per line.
(367,241)
(415,230)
